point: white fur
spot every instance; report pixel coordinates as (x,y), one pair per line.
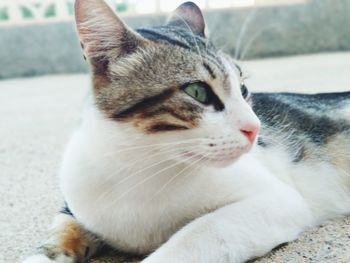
(44,259)
(226,214)
(139,222)
(142,193)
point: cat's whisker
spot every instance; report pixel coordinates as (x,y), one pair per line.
(149,178)
(200,165)
(242,32)
(147,146)
(142,170)
(178,174)
(192,35)
(147,157)
(254,38)
(150,157)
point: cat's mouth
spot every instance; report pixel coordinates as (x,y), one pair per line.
(216,159)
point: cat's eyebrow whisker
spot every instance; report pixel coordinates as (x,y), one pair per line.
(242,32)
(193,36)
(255,37)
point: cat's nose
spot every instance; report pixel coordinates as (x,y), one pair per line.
(250,131)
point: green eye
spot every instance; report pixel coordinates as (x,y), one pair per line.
(244,91)
(198,91)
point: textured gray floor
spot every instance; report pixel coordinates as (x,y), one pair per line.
(38,115)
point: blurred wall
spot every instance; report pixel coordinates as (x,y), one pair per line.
(319,26)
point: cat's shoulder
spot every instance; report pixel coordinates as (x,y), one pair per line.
(319,101)
(302,107)
(298,118)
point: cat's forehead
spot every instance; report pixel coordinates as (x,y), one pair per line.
(176,36)
(185,39)
(174,56)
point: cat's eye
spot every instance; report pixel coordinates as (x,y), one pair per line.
(198,91)
(201,92)
(244,90)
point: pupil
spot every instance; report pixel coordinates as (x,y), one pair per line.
(244,91)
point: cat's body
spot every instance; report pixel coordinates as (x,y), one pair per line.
(289,155)
(166,158)
(310,136)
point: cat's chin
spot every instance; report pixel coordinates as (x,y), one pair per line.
(207,160)
(223,163)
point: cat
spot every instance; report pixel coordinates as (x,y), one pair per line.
(176,160)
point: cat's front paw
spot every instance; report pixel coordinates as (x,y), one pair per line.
(157,259)
(38,259)
(45,259)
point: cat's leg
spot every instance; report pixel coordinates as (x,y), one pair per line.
(68,242)
(238,232)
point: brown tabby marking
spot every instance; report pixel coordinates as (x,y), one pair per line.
(210,71)
(68,239)
(72,239)
(144,104)
(99,81)
(162,127)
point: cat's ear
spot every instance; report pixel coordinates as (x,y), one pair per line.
(190,17)
(102,32)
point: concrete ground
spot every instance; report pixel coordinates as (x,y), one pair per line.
(39,114)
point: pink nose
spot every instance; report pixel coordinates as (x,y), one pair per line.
(250,131)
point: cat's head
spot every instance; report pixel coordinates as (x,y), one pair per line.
(168,83)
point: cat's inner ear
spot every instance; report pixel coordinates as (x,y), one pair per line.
(189,17)
(102,32)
